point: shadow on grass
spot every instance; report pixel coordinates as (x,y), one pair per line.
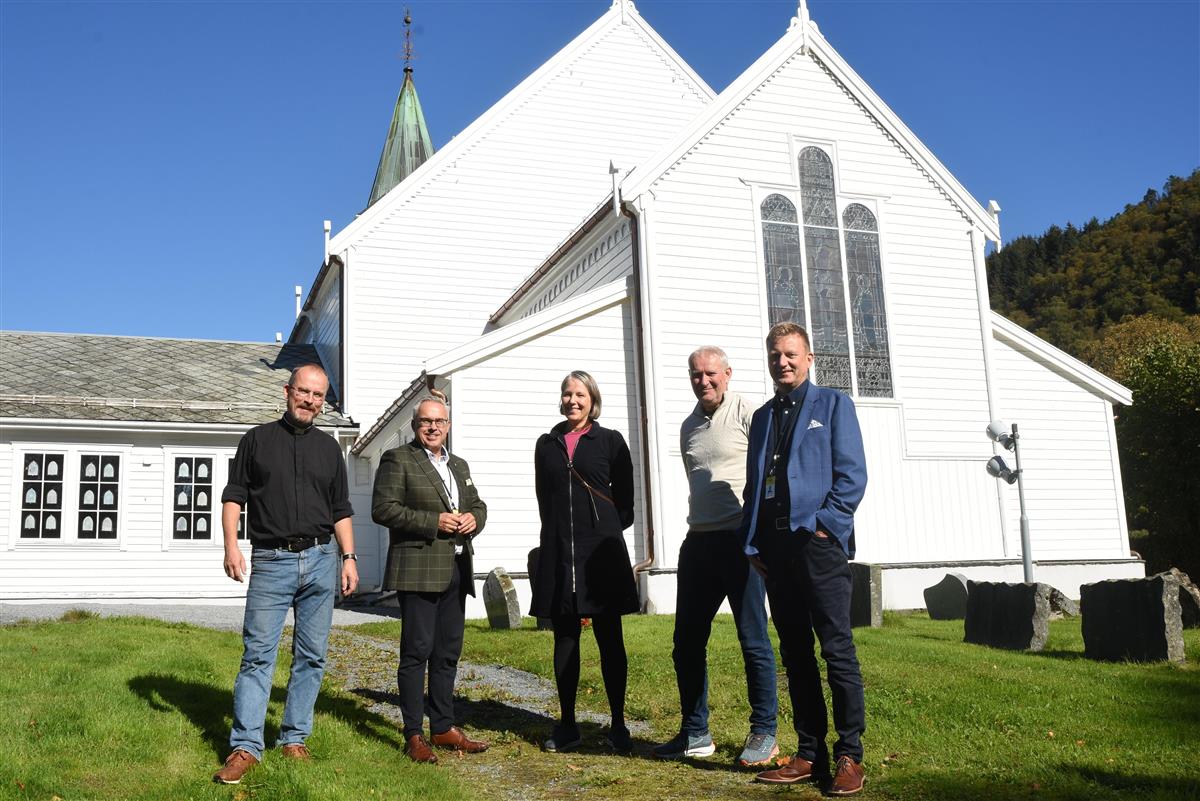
(1157,786)
(1075,783)
(209,709)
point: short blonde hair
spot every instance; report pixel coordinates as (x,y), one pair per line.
(589,384)
(787,329)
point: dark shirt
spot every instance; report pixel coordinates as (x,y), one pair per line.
(294,478)
(785,409)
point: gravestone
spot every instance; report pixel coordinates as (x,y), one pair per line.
(1061,605)
(1189,599)
(866,595)
(531,564)
(1012,616)
(947,600)
(500,601)
(1137,620)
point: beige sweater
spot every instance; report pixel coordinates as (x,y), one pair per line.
(714,456)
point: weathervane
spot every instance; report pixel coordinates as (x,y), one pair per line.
(408,48)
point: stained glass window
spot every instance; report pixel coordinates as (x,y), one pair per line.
(41,496)
(781,255)
(850,344)
(873,364)
(826,291)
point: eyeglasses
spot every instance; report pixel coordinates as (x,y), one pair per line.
(306,393)
(437,422)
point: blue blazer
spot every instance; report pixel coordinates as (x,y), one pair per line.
(826,467)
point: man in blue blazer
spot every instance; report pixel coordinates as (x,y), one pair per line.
(805,476)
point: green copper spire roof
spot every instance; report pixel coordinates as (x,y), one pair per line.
(408,144)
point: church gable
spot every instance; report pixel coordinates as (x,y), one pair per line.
(501,197)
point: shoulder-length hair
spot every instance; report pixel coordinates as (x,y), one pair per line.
(589,384)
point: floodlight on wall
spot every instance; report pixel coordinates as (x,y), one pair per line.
(998,469)
(1000,433)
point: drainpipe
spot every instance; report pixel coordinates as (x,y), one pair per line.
(989,376)
(638,220)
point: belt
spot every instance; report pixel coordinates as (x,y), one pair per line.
(293,545)
(783,524)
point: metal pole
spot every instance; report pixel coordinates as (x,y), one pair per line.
(1026,556)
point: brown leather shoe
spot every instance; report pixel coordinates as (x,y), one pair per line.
(236,765)
(454,739)
(798,770)
(420,751)
(848,778)
(296,751)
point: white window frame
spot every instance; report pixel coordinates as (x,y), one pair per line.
(759,191)
(220,477)
(69,528)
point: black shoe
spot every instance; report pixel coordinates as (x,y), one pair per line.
(562,739)
(620,741)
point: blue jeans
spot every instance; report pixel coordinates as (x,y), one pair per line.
(712,567)
(280,580)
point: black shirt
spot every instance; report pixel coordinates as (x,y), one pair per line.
(785,410)
(294,478)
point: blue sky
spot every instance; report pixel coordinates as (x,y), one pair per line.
(165,166)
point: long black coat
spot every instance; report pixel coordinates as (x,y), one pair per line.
(583,565)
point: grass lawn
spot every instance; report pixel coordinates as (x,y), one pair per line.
(134,709)
(137,709)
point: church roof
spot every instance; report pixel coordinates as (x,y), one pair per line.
(407,144)
(93,377)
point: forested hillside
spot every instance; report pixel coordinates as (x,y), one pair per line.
(1124,296)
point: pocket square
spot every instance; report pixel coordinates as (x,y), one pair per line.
(815,424)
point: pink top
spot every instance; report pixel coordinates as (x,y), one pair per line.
(572,438)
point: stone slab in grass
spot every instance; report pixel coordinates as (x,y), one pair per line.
(1011,616)
(947,600)
(866,595)
(1136,620)
(500,601)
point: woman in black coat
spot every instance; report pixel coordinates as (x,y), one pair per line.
(584,478)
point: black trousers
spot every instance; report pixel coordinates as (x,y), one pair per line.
(431,634)
(808,584)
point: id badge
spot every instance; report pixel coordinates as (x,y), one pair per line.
(770,493)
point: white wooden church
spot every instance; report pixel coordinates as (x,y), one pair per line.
(612,213)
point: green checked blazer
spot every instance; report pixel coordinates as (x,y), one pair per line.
(408,497)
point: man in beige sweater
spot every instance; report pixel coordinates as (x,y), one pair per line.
(713,567)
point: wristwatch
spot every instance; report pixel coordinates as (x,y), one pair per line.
(348,556)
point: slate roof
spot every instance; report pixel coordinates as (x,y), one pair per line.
(93,377)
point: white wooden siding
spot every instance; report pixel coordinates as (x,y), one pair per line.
(475,230)
(502,405)
(325,332)
(145,562)
(605,255)
(706,244)
(1068,458)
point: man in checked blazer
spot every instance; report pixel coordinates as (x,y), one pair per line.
(426,498)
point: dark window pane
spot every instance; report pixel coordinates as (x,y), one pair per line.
(204,471)
(110,468)
(31,524)
(88,498)
(33,465)
(87,526)
(816,188)
(183,497)
(89,468)
(827,301)
(31,495)
(54,466)
(182,527)
(108,526)
(869,316)
(108,496)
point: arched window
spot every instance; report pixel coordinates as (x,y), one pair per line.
(781,255)
(826,293)
(873,367)
(839,300)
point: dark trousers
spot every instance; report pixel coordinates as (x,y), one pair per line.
(431,634)
(614,665)
(808,583)
(713,567)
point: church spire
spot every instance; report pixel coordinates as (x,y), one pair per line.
(407,145)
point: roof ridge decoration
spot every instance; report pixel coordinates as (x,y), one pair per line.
(802,20)
(407,145)
(622,12)
(807,41)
